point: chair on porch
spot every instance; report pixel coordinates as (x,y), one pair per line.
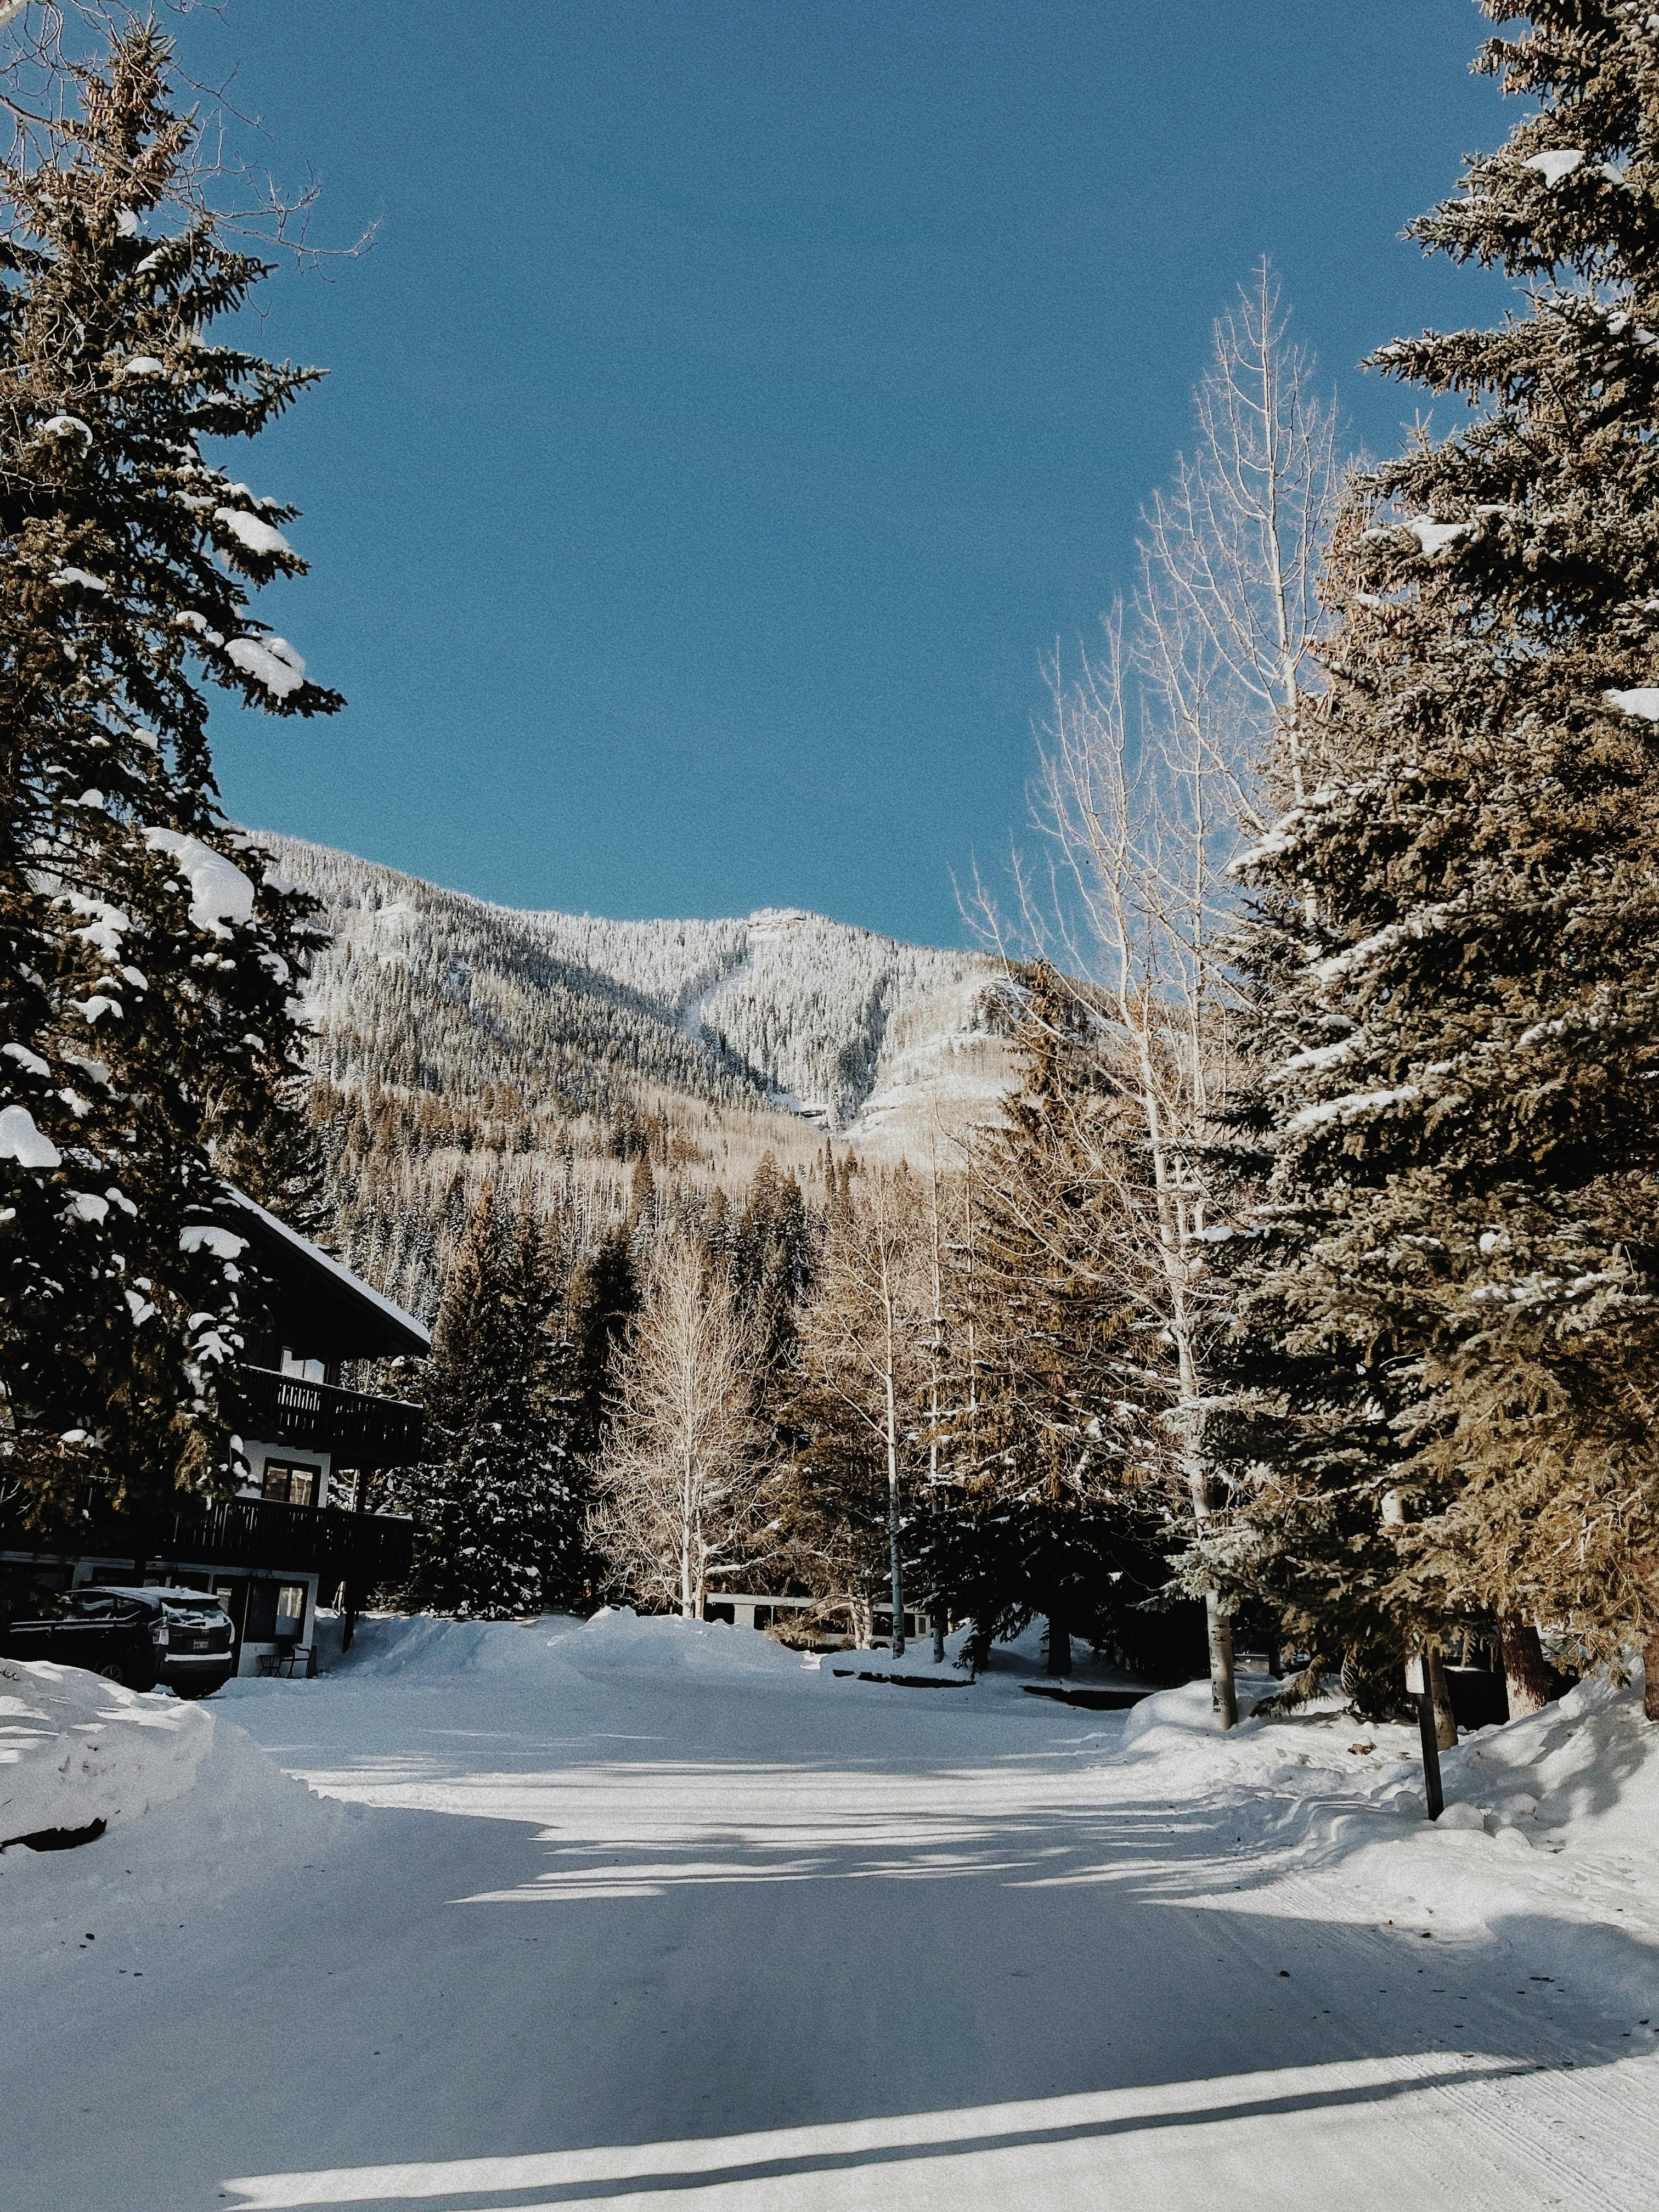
(292,1659)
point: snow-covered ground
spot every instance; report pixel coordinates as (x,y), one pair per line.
(644,1913)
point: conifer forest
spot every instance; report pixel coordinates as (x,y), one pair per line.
(1211,1308)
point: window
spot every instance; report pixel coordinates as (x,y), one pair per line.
(291,1483)
(290,1608)
(302,1370)
(99,1604)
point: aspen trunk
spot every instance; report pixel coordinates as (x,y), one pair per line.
(1525,1674)
(1224,1691)
(896,1566)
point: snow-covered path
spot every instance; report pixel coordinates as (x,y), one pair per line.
(625,1934)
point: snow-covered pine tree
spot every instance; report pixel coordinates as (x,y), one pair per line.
(1058,1462)
(1310,1387)
(147,959)
(1462,1131)
(498,1508)
(603,1297)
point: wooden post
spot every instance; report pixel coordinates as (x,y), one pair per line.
(1417,1682)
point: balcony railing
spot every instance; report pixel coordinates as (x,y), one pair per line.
(361,1549)
(360,1430)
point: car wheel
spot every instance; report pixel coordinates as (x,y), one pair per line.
(194,1689)
(113,1671)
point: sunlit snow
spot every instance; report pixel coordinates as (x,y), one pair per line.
(20,1140)
(220,892)
(1559,162)
(271,661)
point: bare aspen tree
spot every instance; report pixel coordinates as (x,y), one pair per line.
(864,1341)
(676,1504)
(936,1345)
(1152,757)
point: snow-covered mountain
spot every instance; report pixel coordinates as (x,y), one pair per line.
(459,1042)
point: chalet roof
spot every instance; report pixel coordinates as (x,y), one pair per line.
(330,1311)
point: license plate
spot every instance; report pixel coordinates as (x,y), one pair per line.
(197,1644)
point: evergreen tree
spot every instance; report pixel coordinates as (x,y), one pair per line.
(1457,950)
(498,1507)
(772,1260)
(147,955)
(1058,1498)
(603,1299)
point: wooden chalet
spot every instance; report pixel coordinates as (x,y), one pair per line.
(297,1534)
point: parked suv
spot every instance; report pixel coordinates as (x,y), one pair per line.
(113,1636)
(192,1631)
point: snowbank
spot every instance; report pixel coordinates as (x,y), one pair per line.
(917,1661)
(1549,1840)
(617,1642)
(1585,1770)
(221,1820)
(75,1750)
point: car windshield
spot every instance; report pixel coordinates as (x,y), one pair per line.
(187,1601)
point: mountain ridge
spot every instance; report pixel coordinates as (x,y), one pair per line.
(460,1044)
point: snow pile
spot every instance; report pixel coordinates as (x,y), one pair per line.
(75,1750)
(1584,1771)
(223,1820)
(619,1641)
(616,1643)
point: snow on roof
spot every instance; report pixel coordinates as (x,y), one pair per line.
(365,1293)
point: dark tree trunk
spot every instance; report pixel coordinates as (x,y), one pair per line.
(1059,1648)
(1525,1673)
(1650,1661)
(1433,1794)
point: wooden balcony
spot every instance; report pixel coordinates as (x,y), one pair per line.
(361,1549)
(358,1430)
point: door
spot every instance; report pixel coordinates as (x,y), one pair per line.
(95,1632)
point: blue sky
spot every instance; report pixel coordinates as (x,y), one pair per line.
(740,395)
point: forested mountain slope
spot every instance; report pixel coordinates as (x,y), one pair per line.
(459,1043)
